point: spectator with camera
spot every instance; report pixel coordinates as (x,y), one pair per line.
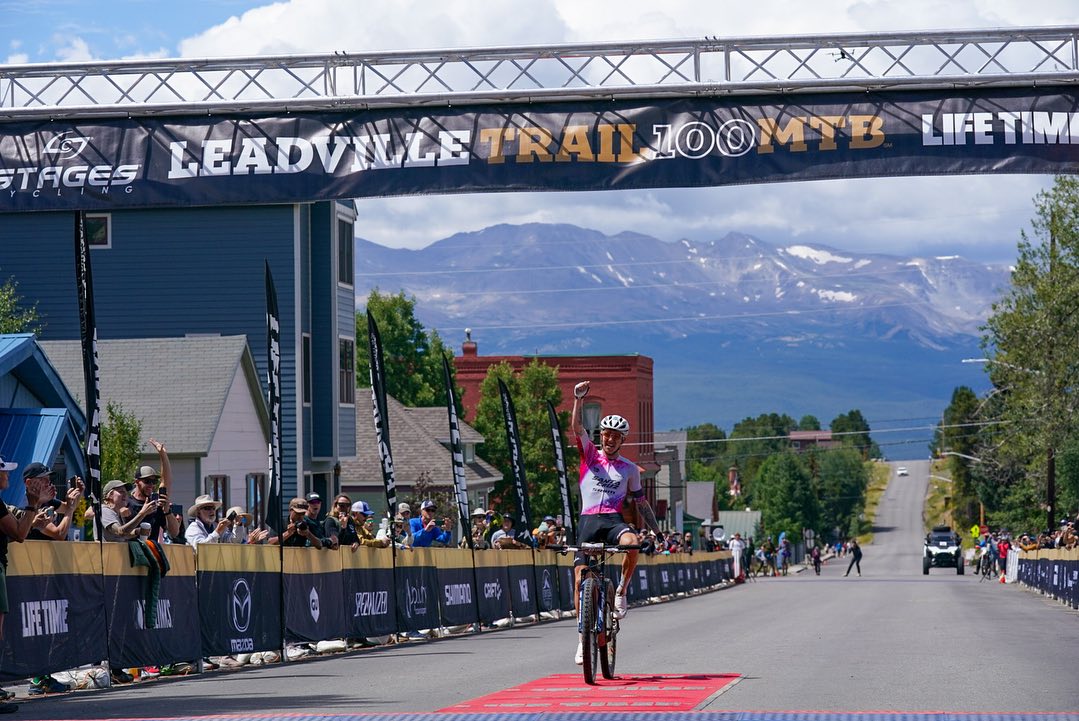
(53,521)
(299,533)
(340,524)
(478,531)
(506,537)
(318,527)
(398,530)
(427,530)
(149,485)
(205,527)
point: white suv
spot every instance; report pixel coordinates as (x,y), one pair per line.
(901,471)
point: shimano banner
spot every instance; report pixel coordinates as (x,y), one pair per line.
(457,599)
(58,164)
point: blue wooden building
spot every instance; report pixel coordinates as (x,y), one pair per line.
(162,273)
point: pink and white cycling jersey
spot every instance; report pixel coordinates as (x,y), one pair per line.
(605,482)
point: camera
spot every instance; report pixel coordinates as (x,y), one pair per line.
(232,516)
(303,526)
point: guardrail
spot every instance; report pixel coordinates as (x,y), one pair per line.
(1052,572)
(78,603)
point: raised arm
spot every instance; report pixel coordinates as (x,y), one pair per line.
(579,392)
(166,469)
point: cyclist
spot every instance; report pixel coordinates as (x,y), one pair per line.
(607,479)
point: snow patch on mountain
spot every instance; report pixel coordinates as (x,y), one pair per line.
(817,255)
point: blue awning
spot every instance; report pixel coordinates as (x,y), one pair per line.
(34,435)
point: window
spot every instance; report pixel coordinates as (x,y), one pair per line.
(469,452)
(346,245)
(99,230)
(217,488)
(307,368)
(256,493)
(590,419)
(347,371)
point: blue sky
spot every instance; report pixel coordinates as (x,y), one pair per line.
(977,217)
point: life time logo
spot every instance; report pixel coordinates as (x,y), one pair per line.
(43,618)
(63,171)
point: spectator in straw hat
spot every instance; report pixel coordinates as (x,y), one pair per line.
(204,526)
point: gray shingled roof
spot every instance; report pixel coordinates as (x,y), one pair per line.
(176,386)
(414,438)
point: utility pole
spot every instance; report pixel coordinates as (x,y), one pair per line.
(1050,461)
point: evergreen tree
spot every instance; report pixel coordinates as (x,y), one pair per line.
(785,496)
(841,483)
(809,423)
(855,432)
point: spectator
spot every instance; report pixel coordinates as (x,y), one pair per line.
(339,523)
(314,508)
(152,486)
(399,532)
(204,526)
(428,530)
(13,530)
(687,542)
(113,510)
(242,528)
(737,548)
(546,534)
(405,511)
(478,531)
(363,518)
(856,559)
(299,532)
(54,519)
(505,537)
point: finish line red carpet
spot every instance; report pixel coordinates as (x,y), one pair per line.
(569,693)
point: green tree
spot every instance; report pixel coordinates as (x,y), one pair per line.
(15,315)
(809,423)
(706,457)
(784,494)
(957,433)
(120,444)
(755,439)
(413,355)
(842,481)
(855,430)
(1032,336)
(530,389)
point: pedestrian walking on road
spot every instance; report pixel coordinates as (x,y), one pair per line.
(856,557)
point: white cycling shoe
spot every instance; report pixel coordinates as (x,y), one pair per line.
(578,658)
(621,604)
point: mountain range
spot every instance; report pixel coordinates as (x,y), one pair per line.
(736,326)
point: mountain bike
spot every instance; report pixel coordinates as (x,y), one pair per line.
(596,622)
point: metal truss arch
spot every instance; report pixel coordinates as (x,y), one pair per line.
(713,66)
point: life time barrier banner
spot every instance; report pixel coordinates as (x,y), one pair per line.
(60,164)
(228,597)
(1054,572)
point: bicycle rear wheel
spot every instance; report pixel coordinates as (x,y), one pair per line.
(608,651)
(589,608)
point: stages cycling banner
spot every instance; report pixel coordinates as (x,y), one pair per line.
(232,159)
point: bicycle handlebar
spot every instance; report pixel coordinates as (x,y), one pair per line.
(596,548)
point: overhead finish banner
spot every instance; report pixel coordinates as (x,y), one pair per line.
(198,160)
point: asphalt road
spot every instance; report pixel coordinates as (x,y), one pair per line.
(890,640)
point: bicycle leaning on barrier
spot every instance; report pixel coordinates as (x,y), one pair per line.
(597,621)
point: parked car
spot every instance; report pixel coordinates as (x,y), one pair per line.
(901,471)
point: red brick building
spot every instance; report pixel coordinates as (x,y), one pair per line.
(620,384)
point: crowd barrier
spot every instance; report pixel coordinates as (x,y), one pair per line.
(1053,572)
(79,603)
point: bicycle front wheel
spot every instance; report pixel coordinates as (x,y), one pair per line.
(589,609)
(608,651)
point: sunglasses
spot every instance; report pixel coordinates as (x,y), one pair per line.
(344,504)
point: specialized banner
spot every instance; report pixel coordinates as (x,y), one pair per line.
(128,594)
(60,164)
(84,280)
(314,591)
(457,454)
(273,504)
(239,589)
(568,517)
(370,601)
(492,585)
(57,614)
(517,460)
(381,414)
(456,592)
(417,590)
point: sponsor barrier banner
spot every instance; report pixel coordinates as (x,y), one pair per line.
(417,589)
(493,585)
(128,595)
(522,582)
(314,590)
(57,608)
(239,588)
(1054,572)
(60,164)
(456,594)
(370,602)
(546,580)
(565,582)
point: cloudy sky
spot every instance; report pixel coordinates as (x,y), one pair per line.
(978,217)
